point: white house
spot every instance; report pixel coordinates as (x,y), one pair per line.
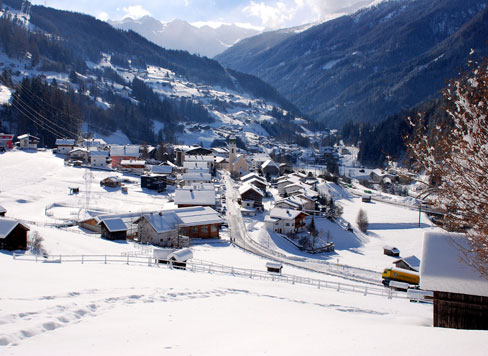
(28,141)
(286,221)
(98,158)
(174,228)
(64,145)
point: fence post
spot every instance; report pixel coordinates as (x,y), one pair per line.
(127,259)
(293,282)
(250,276)
(365,290)
(82,259)
(338,287)
(389,294)
(36,257)
(170,264)
(209,269)
(149,261)
(13,255)
(60,258)
(319,283)
(105,259)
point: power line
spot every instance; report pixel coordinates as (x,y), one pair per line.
(42,117)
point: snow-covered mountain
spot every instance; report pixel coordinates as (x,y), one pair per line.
(369,65)
(179,34)
(123,83)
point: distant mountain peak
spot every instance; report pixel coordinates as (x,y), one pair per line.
(181,35)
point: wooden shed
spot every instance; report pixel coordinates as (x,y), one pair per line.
(274,267)
(113,229)
(460,291)
(391,251)
(13,235)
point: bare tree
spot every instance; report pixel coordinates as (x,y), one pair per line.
(362,221)
(455,157)
(36,244)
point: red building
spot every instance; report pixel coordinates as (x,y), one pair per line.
(6,141)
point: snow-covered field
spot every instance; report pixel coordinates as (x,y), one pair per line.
(105,309)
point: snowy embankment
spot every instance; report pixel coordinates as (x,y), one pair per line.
(60,309)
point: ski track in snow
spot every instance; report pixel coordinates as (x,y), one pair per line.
(72,308)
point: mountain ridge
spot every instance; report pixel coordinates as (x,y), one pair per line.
(181,35)
(354,67)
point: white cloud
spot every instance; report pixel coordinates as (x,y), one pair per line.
(284,13)
(102,16)
(272,16)
(135,12)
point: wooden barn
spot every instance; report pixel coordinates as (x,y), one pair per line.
(113,229)
(251,197)
(13,235)
(460,292)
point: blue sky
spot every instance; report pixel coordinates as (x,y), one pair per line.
(259,13)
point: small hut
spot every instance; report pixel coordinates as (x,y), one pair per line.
(179,258)
(391,251)
(274,267)
(13,235)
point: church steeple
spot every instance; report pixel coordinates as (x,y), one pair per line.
(232,153)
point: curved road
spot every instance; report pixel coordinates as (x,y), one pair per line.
(240,237)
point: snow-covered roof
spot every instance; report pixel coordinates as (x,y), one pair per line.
(284,214)
(444,267)
(199,186)
(79,149)
(197,176)
(182,255)
(161,169)
(199,159)
(250,176)
(194,197)
(163,221)
(124,151)
(195,165)
(269,163)
(96,153)
(247,187)
(198,216)
(114,224)
(8,225)
(21,137)
(127,162)
(65,142)
(168,220)
(288,202)
(256,180)
(412,261)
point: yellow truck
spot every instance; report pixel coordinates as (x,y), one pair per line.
(400,275)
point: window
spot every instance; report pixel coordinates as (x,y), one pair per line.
(204,229)
(213,228)
(287,224)
(194,229)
